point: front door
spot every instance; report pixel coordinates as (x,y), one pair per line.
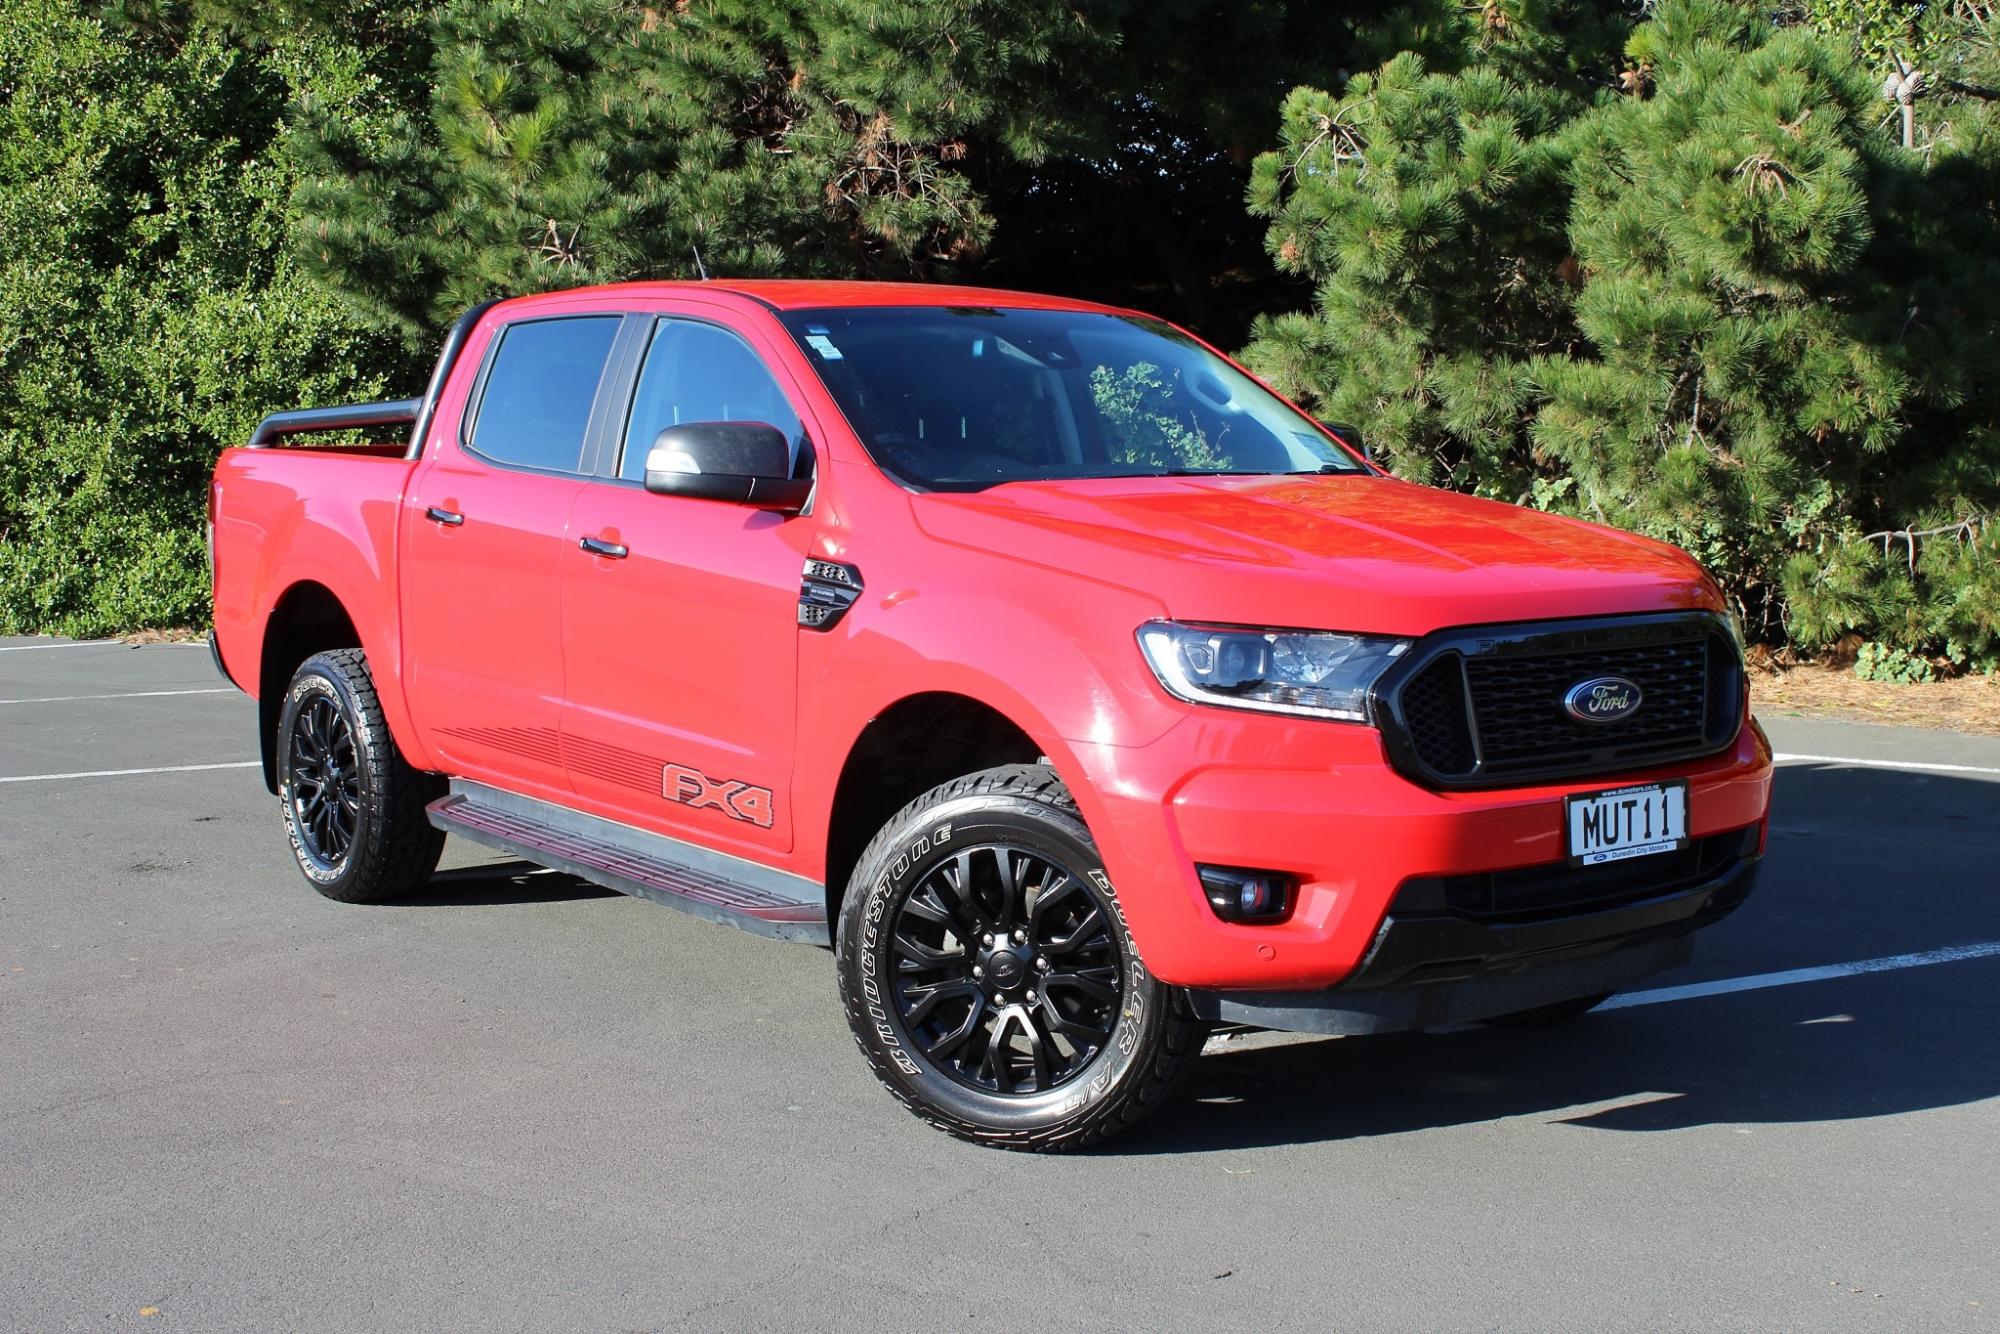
(682,659)
(485,534)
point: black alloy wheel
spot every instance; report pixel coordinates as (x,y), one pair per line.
(990,978)
(354,807)
(326,782)
(1007,970)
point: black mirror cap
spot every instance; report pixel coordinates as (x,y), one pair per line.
(1352,439)
(743,463)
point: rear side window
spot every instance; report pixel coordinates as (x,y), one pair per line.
(539,390)
(697,372)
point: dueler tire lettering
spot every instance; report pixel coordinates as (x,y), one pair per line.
(1079,1039)
(392,848)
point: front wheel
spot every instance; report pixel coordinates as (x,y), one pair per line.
(354,807)
(989,977)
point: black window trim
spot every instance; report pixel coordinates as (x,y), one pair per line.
(468,421)
(625,394)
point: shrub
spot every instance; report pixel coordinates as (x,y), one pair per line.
(148,315)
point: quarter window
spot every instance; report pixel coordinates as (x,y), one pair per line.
(697,372)
(539,391)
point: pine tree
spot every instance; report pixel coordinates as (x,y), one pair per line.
(571,142)
(1721,305)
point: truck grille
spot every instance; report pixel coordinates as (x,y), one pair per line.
(1484,706)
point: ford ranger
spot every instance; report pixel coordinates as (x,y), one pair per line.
(1079,691)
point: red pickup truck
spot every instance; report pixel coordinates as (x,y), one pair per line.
(1077,689)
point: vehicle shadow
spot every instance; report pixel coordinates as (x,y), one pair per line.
(1848,1049)
(1862,864)
(499,884)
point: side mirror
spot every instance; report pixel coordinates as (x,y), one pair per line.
(1353,439)
(745,463)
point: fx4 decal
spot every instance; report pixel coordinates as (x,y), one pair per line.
(737,800)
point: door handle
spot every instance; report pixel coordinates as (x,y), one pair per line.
(597,546)
(448,518)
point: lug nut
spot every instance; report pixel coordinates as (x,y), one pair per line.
(977,971)
(1042,964)
(1031,998)
(1019,935)
(989,937)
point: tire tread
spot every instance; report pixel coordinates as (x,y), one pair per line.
(400,856)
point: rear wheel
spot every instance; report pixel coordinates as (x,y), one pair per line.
(989,976)
(354,807)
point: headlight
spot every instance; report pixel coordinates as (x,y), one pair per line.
(1310,672)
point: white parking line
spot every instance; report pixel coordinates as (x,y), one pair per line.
(108,643)
(1911,765)
(82,643)
(1791,977)
(130,694)
(122,773)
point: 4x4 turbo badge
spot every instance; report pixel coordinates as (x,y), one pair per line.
(737,800)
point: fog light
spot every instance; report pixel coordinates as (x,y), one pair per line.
(1239,895)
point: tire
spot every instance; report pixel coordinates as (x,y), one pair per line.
(354,808)
(1548,1016)
(944,1016)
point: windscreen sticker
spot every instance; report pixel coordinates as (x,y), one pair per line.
(823,345)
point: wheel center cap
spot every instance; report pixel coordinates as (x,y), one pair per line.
(1006,968)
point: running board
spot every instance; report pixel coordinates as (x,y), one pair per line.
(645,865)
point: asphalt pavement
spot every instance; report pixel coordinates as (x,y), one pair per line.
(518,1102)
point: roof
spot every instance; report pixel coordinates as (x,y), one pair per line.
(809,294)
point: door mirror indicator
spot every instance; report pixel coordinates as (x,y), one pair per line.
(744,463)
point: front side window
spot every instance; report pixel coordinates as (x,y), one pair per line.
(962,398)
(697,372)
(539,391)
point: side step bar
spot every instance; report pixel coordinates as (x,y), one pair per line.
(646,865)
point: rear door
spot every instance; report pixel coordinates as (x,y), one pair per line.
(682,650)
(485,531)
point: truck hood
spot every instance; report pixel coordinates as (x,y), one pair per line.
(1359,553)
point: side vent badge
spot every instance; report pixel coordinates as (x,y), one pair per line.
(828,591)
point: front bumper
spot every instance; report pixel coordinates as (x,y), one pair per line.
(1428,968)
(1320,802)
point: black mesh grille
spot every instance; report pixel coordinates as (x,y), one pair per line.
(1518,704)
(1434,713)
(1687,670)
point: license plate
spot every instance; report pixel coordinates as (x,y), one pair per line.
(1626,822)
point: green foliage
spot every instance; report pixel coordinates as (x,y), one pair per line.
(1879,662)
(1721,307)
(146,314)
(1662,265)
(1144,425)
(569,142)
(1880,32)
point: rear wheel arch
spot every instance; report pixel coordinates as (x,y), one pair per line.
(307,618)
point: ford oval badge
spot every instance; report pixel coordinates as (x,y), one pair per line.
(1602,699)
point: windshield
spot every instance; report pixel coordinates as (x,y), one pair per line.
(962,398)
